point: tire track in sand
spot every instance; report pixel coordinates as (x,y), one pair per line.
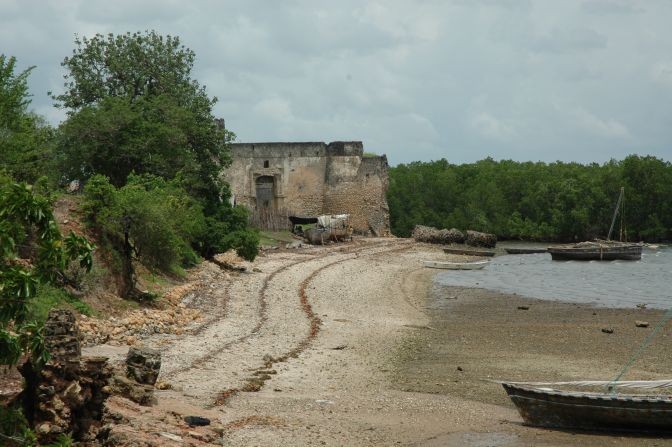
(260,314)
(262,374)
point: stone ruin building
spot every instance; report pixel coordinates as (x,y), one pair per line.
(311,179)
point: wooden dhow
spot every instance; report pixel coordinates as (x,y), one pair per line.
(597,251)
(525,251)
(541,406)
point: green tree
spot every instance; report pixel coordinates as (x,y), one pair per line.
(538,201)
(25,140)
(134,108)
(32,250)
(148,219)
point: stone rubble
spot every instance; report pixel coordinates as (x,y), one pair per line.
(172,315)
(68,394)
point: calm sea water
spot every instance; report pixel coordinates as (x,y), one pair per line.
(603,283)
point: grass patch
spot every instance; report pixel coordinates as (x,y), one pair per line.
(370,155)
(49,297)
(272,238)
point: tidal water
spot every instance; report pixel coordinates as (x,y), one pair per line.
(602,283)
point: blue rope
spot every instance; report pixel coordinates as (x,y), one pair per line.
(666,317)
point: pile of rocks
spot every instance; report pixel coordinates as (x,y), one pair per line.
(173,313)
(142,369)
(477,239)
(432,235)
(68,394)
(136,325)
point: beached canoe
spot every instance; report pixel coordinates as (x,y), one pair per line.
(468,251)
(547,407)
(476,265)
(524,251)
(597,251)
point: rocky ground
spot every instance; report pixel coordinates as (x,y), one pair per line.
(344,345)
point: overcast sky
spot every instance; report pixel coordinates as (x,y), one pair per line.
(548,80)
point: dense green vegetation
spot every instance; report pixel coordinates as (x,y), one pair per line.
(25,140)
(534,201)
(33,254)
(133,109)
(141,134)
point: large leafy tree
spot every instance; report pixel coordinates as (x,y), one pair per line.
(133,107)
(24,137)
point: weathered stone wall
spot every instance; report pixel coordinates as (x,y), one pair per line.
(315,178)
(357,186)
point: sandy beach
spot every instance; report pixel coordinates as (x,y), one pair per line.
(350,345)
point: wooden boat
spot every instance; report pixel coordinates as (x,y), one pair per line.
(468,251)
(596,251)
(524,251)
(547,407)
(476,265)
(602,250)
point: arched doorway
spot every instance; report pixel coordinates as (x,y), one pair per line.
(265,187)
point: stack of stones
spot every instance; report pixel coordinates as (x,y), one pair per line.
(142,369)
(143,365)
(477,239)
(61,340)
(68,394)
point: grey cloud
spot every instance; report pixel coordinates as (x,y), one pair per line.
(567,40)
(418,81)
(612,6)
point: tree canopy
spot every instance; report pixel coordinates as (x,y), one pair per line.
(134,112)
(534,201)
(129,65)
(133,107)
(25,139)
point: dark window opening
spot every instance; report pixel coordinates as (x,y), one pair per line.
(266,163)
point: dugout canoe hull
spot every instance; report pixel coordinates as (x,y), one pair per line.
(629,252)
(477,265)
(544,407)
(525,251)
(468,251)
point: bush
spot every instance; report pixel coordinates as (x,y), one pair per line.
(227,229)
(162,221)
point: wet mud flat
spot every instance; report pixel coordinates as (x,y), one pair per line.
(475,335)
